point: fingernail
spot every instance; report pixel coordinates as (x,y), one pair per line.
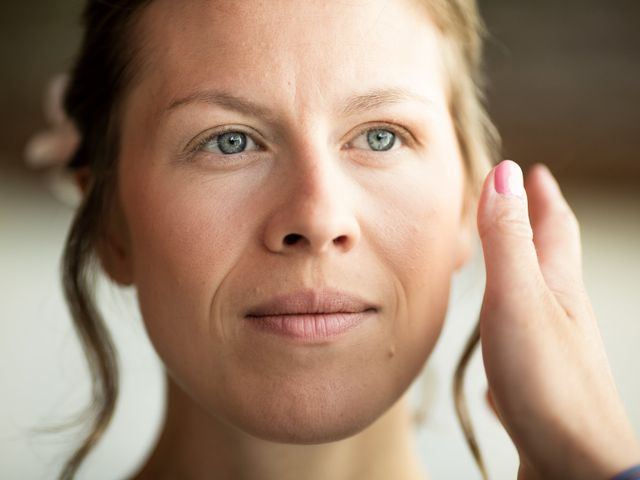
(508,179)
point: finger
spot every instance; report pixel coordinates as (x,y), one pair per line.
(507,237)
(556,233)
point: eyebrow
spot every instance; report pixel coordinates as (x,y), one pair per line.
(382,97)
(352,106)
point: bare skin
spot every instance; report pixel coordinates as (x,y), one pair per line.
(309,203)
(193,445)
(548,372)
(205,236)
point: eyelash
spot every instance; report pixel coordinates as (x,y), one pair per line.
(401,134)
(212,136)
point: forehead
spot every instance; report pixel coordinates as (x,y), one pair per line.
(290,51)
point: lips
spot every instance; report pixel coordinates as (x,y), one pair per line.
(311,316)
(306,302)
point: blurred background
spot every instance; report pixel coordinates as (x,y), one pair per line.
(564,89)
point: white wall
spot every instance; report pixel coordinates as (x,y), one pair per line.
(44,379)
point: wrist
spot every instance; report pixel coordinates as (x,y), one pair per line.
(612,461)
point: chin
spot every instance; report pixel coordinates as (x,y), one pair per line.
(307,416)
(313,428)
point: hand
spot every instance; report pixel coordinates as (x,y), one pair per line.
(548,373)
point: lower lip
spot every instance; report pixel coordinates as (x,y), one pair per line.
(310,327)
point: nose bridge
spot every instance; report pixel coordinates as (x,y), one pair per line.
(316,180)
(316,212)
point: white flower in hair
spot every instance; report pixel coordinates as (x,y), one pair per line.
(53,148)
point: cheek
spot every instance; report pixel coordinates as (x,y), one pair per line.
(185,241)
(415,224)
(417,239)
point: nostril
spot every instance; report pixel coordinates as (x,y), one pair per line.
(292,238)
(341,240)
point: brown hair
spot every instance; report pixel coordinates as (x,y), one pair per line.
(105,69)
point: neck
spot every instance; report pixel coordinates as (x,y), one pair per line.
(194,445)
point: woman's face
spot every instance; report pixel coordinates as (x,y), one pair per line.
(291,148)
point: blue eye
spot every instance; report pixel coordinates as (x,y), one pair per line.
(381,139)
(228,143)
(377,140)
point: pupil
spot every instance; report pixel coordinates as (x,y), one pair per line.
(232,142)
(381,140)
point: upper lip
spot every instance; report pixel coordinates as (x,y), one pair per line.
(311,302)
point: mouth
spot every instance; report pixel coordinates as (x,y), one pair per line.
(310,316)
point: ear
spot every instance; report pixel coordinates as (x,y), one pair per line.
(466,229)
(82,176)
(113,245)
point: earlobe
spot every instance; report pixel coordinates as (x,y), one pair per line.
(114,261)
(114,249)
(112,245)
(82,176)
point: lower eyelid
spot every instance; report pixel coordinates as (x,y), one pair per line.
(400,137)
(211,139)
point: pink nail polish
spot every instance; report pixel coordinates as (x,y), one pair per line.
(508,179)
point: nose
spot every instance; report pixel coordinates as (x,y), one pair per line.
(314,212)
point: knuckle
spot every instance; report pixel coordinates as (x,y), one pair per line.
(512,223)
